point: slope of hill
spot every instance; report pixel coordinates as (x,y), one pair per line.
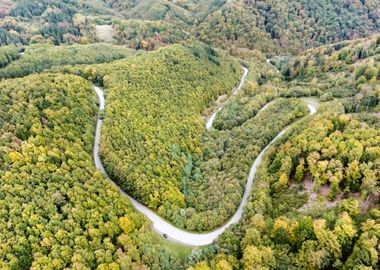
(184,12)
(271,26)
(56,210)
(348,69)
(52,21)
(291,25)
(8,54)
(148,35)
(234,25)
(40,57)
(315,201)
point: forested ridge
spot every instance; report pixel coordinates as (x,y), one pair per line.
(172,144)
(170,67)
(348,70)
(43,21)
(164,116)
(215,186)
(37,58)
(148,35)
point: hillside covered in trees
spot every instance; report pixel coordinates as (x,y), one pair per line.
(169,70)
(37,58)
(290,25)
(57,211)
(315,201)
(155,102)
(269,26)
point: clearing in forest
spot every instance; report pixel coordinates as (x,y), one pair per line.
(105,33)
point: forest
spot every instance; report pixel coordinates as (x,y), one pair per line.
(161,107)
(138,161)
(271,26)
(217,180)
(315,200)
(37,58)
(190,178)
(8,54)
(148,35)
(57,211)
(348,70)
(169,68)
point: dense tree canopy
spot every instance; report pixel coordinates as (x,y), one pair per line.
(162,95)
(270,26)
(41,57)
(286,226)
(234,26)
(184,13)
(347,69)
(214,188)
(300,24)
(290,25)
(57,210)
(147,35)
(38,21)
(198,163)
(336,57)
(8,54)
(315,199)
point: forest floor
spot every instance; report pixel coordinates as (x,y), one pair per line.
(318,198)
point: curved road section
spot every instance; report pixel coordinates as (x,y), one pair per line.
(161,225)
(269,63)
(234,92)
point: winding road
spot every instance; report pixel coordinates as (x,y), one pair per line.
(269,63)
(161,225)
(234,92)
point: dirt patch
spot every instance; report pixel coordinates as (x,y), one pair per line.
(105,33)
(319,198)
(365,204)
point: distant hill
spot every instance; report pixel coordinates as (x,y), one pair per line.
(271,26)
(291,25)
